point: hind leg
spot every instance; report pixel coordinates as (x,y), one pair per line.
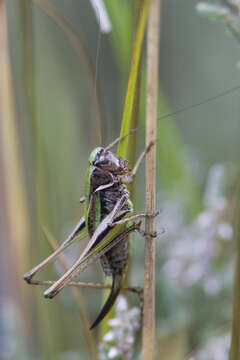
(75,233)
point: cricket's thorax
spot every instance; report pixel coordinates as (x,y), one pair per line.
(101,204)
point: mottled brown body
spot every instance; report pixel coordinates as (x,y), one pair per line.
(105,189)
(115,260)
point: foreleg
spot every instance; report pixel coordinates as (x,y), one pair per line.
(128,179)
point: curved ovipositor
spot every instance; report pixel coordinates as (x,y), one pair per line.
(116,286)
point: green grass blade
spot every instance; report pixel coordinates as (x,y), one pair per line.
(132,82)
(121,19)
(127,147)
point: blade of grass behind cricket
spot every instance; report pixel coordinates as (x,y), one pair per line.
(123,149)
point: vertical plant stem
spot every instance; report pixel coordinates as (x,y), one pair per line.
(235,341)
(151,133)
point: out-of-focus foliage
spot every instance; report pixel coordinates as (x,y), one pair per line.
(227,12)
(119,340)
(56,119)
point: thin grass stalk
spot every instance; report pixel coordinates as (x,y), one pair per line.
(235,339)
(153,33)
(132,144)
(132,140)
(92,285)
(132,81)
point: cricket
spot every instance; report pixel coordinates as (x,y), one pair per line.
(108,221)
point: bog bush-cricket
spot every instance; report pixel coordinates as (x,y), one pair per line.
(108,219)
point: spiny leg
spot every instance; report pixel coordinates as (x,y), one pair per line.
(134,289)
(84,260)
(67,277)
(81,224)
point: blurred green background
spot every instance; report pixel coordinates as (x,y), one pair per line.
(68,87)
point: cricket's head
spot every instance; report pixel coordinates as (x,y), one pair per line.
(107,161)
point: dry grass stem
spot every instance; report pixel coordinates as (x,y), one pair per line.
(151,131)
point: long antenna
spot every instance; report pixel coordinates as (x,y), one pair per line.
(181,110)
(105,26)
(119,139)
(94,98)
(208,100)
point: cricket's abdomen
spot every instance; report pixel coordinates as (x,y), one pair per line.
(115,260)
(109,198)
